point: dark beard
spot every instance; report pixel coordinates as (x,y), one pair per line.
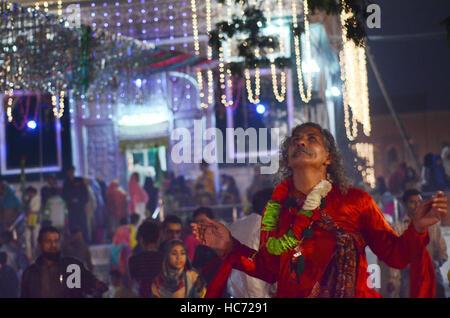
(52,256)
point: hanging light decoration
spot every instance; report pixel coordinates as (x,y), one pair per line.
(355,91)
(197,52)
(280,96)
(305,97)
(365,152)
(253,98)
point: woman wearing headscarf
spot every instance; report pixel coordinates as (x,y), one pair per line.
(177,278)
(138,197)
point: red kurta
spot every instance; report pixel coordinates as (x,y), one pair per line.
(354,212)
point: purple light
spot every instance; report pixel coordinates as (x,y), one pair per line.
(131,31)
(185,45)
(183,14)
(171,17)
(170,7)
(118,24)
(155,19)
(106,25)
(94,24)
(172,48)
(171,27)
(188,96)
(117,14)
(105,4)
(117,4)
(183,4)
(144,31)
(143,11)
(156,29)
(93,14)
(130,10)
(156,9)
(105,14)
(130,20)
(92,4)
(144,21)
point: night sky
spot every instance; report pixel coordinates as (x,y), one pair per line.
(412,66)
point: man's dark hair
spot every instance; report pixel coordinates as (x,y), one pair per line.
(409,193)
(134,218)
(260,199)
(203,210)
(31,189)
(335,170)
(148,231)
(171,219)
(6,237)
(47,229)
(3,258)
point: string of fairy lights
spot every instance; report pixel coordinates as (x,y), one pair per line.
(355,90)
(355,94)
(298,61)
(279,96)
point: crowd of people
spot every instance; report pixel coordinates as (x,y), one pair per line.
(163,259)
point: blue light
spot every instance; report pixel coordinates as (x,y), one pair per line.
(260,109)
(32,124)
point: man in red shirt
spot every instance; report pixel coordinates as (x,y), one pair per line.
(315,229)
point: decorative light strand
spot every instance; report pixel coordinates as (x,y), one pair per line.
(365,152)
(254,99)
(306,98)
(209,53)
(197,51)
(222,76)
(54,104)
(355,92)
(279,96)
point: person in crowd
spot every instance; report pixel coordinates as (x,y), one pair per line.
(55,211)
(445,155)
(387,202)
(90,208)
(51,275)
(147,264)
(202,197)
(229,193)
(425,174)
(316,226)
(99,216)
(121,247)
(207,180)
(204,258)
(439,180)
(16,259)
(77,247)
(247,231)
(198,216)
(117,287)
(171,228)
(49,190)
(152,193)
(398,280)
(180,192)
(76,195)
(411,179)
(177,278)
(116,204)
(134,221)
(9,205)
(33,222)
(259,182)
(9,283)
(397,178)
(138,197)
(169,177)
